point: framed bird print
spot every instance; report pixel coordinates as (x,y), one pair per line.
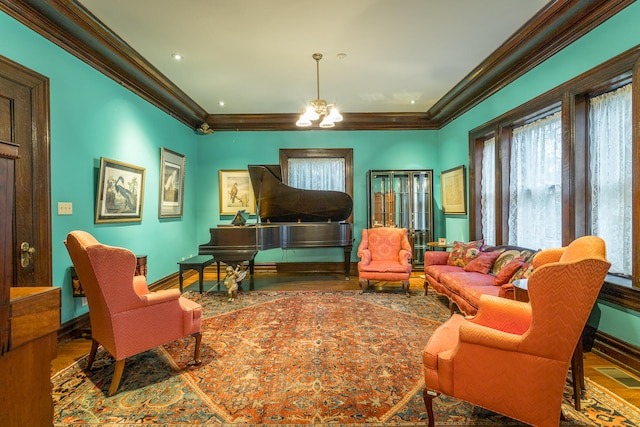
(236,192)
(120,194)
(172,167)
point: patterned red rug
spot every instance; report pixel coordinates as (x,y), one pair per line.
(292,358)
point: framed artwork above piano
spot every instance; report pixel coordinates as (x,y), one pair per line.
(236,192)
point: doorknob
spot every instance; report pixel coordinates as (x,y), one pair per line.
(25,257)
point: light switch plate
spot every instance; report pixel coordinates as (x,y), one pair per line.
(65,208)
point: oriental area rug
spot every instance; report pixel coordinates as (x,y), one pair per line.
(292,359)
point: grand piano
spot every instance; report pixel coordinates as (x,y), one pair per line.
(289,218)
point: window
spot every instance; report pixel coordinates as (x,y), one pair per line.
(488,192)
(610,175)
(317,173)
(590,182)
(535,178)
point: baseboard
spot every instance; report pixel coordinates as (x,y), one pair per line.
(617,351)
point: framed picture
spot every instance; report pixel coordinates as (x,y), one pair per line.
(120,192)
(236,192)
(453,185)
(172,166)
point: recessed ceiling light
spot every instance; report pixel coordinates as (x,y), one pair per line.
(413,101)
(176,56)
(341,55)
(221,103)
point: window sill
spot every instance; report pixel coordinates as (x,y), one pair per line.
(620,291)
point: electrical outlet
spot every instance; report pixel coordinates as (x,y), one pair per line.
(65,208)
(84,301)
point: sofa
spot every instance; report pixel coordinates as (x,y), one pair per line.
(471,270)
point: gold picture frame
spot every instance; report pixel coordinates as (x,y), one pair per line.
(120,195)
(453,185)
(236,192)
(172,168)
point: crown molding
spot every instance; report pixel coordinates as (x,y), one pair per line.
(70,26)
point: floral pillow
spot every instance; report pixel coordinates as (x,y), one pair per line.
(483,262)
(505,258)
(461,253)
(525,271)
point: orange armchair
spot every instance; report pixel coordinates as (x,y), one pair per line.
(512,357)
(385,254)
(127,319)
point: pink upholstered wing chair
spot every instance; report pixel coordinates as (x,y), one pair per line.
(512,357)
(384,255)
(127,319)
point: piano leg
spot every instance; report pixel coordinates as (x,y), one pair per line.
(347,261)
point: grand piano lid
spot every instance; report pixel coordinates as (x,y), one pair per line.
(278,202)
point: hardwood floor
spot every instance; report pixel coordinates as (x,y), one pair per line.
(74,350)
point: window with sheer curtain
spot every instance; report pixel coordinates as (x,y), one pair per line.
(610,174)
(488,192)
(317,173)
(535,184)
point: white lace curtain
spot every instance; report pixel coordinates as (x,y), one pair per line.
(321,173)
(610,170)
(535,203)
(488,192)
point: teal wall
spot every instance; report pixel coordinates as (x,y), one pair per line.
(92,116)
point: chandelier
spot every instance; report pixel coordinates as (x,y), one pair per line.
(318,107)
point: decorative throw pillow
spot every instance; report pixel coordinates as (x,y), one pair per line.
(507,271)
(525,271)
(461,253)
(483,262)
(505,258)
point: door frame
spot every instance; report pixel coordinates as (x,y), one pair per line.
(41,172)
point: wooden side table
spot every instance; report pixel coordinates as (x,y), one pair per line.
(521,293)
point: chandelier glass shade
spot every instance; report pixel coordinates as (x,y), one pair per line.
(318,108)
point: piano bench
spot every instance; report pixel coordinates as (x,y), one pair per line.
(198,263)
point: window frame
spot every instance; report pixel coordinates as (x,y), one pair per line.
(572,100)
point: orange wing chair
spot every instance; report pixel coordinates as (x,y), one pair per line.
(385,254)
(512,357)
(127,319)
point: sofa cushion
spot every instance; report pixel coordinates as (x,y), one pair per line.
(461,279)
(461,253)
(436,270)
(482,263)
(508,270)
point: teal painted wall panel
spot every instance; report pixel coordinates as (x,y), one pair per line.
(617,321)
(371,150)
(92,117)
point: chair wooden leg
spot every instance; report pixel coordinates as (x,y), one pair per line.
(408,286)
(577,375)
(426,288)
(428,396)
(117,375)
(92,354)
(196,352)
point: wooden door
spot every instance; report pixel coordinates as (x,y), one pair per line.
(25,212)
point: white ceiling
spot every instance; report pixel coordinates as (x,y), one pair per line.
(255,55)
